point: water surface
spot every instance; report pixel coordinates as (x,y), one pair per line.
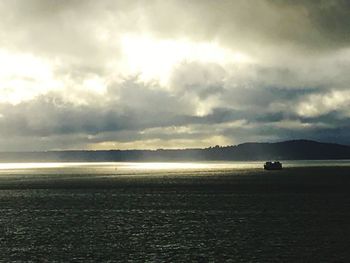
(201,212)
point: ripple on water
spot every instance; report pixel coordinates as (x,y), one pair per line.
(165,225)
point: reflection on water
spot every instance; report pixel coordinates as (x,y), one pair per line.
(120,168)
(141,167)
(135,165)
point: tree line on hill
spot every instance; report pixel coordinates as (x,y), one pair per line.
(287,150)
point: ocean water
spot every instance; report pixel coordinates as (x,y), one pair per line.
(175,212)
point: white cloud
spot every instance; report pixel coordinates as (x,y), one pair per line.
(24,76)
(319,104)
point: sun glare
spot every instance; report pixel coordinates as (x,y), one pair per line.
(155,58)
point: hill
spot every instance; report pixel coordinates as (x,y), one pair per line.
(287,150)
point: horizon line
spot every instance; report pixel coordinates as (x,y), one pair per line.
(174,149)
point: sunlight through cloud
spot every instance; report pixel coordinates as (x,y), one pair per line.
(23,76)
(155,58)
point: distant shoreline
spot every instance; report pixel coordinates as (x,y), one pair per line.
(288,150)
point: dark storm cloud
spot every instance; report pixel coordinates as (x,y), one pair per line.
(131,108)
(73,27)
(307,26)
(136,107)
(331,18)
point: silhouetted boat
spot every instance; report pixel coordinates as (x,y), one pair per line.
(273,166)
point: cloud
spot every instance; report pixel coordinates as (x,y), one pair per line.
(330,18)
(321,104)
(279,71)
(132,112)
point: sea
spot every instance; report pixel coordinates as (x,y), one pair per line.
(175,212)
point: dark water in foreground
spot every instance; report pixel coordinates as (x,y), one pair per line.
(197,214)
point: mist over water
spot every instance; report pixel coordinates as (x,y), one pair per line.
(175,212)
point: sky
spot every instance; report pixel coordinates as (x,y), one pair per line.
(121,74)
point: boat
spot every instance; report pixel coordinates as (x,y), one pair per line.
(273,166)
